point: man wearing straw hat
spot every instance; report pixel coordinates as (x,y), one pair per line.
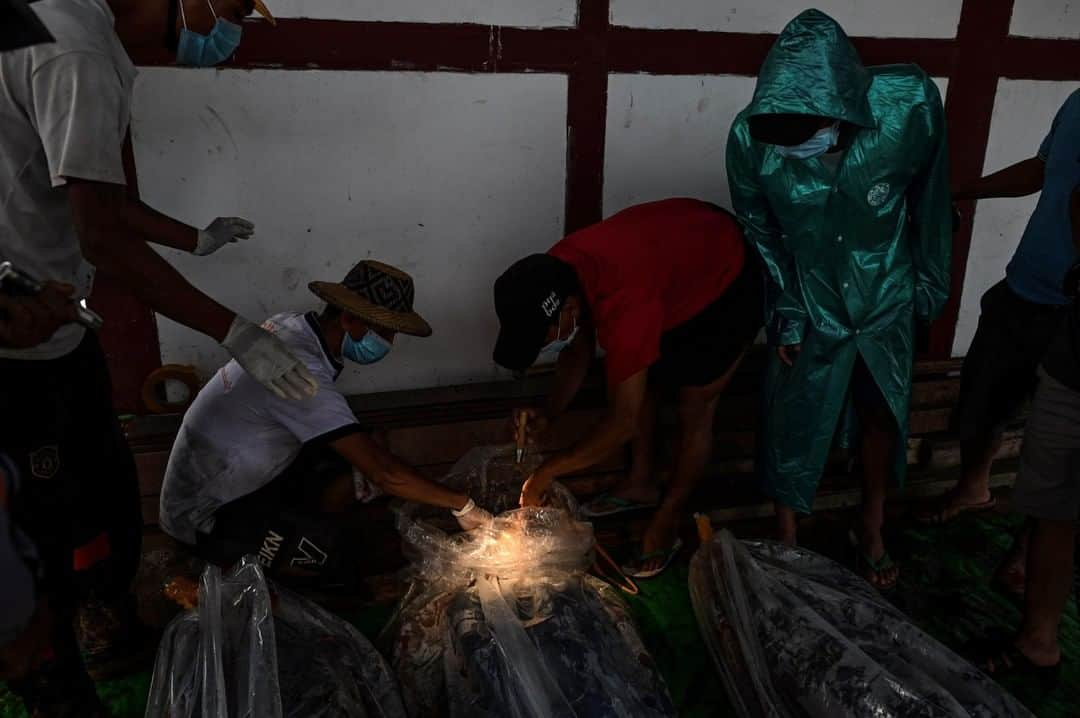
(252,473)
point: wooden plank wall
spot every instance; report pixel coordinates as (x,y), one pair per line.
(432,428)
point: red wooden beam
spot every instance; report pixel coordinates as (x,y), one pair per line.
(304,44)
(691,52)
(1039,59)
(308,44)
(586,119)
(130,340)
(129,335)
(981,37)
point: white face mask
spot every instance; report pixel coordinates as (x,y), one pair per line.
(821,142)
(559,344)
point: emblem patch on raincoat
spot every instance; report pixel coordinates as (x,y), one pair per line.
(878,194)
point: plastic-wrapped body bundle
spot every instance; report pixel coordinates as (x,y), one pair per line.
(251,651)
(796,634)
(502,621)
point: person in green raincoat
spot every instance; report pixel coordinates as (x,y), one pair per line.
(838,174)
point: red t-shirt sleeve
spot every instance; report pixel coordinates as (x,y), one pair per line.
(629,332)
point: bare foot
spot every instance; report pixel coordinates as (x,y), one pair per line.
(625,498)
(879,571)
(1040,654)
(658,539)
(948,506)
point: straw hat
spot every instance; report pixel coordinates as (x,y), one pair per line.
(260,7)
(377,293)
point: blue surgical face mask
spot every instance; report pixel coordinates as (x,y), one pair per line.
(207,50)
(367,350)
(822,141)
(559,344)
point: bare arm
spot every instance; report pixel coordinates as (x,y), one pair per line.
(98,210)
(617,428)
(1018,180)
(393,475)
(145,221)
(152,226)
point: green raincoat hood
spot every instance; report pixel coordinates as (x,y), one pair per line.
(813,69)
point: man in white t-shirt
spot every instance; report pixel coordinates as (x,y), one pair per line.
(251,473)
(68,207)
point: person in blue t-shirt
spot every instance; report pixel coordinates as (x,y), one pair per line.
(1048,493)
(1019,314)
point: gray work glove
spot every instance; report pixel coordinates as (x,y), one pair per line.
(269,361)
(222,231)
(471,516)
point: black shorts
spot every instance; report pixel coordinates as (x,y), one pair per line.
(700,350)
(79,501)
(79,498)
(999,372)
(282,524)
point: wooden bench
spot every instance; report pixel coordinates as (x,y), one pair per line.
(432,428)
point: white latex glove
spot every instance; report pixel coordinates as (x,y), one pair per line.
(364,489)
(269,361)
(471,516)
(222,231)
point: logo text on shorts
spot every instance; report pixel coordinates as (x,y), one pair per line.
(45,462)
(270,547)
(308,554)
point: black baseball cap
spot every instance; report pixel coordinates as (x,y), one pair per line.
(528,299)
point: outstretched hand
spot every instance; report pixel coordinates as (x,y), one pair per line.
(534,490)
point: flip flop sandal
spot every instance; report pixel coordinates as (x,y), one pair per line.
(615,504)
(668,556)
(946,512)
(864,565)
(997,647)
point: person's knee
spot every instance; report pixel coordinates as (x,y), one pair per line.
(695,406)
(877,416)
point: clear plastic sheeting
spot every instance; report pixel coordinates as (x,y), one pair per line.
(502,620)
(796,634)
(249,651)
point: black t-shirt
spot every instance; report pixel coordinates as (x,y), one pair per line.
(1062,360)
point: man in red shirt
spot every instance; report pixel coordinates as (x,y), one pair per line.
(671,293)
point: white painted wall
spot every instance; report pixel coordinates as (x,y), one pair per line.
(522,13)
(451,177)
(1023,111)
(455,176)
(666,136)
(1046,18)
(876,18)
